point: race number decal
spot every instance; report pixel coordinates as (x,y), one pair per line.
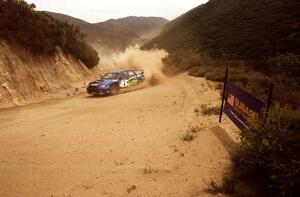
(123,83)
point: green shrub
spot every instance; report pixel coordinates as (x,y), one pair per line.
(199,71)
(226,186)
(272,151)
(280,63)
(216,76)
(241,78)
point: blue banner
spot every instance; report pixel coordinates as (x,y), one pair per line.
(240,106)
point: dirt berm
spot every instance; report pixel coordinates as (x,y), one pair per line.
(26,78)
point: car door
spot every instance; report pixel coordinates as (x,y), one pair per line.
(132,77)
(123,80)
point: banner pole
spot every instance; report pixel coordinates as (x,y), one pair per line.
(269,102)
(223,96)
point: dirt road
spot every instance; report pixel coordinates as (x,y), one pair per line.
(125,145)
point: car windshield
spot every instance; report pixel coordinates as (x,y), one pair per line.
(111,76)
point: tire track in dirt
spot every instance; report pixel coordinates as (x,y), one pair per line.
(105,146)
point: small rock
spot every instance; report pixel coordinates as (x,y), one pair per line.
(131,188)
(86,187)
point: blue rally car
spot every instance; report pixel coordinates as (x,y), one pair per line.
(111,83)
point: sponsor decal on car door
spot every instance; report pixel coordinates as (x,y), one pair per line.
(123,83)
(124,80)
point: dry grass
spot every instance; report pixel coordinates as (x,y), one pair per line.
(226,186)
(148,168)
(208,110)
(188,137)
(191,133)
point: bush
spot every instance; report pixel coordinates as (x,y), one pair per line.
(227,186)
(280,62)
(215,76)
(199,71)
(272,151)
(191,133)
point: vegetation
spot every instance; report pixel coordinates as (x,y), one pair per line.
(271,152)
(237,28)
(253,38)
(40,33)
(259,41)
(226,186)
(287,89)
(191,133)
(210,110)
(267,160)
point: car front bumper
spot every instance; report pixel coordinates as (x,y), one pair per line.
(97,90)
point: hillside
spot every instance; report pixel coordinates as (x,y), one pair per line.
(40,57)
(236,29)
(144,27)
(41,34)
(116,34)
(69,19)
(259,41)
(25,78)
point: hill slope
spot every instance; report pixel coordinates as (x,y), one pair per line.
(41,34)
(144,27)
(243,29)
(69,19)
(25,78)
(40,56)
(117,34)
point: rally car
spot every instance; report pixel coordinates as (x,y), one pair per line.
(111,83)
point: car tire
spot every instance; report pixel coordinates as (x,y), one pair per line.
(114,89)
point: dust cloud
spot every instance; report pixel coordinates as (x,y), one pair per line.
(134,58)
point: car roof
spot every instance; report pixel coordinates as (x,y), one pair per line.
(120,71)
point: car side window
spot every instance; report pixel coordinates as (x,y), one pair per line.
(131,74)
(124,75)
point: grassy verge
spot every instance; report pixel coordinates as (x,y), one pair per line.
(255,82)
(267,158)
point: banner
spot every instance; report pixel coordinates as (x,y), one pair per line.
(240,106)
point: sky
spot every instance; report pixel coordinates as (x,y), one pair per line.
(97,11)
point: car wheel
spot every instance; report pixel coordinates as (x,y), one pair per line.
(114,89)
